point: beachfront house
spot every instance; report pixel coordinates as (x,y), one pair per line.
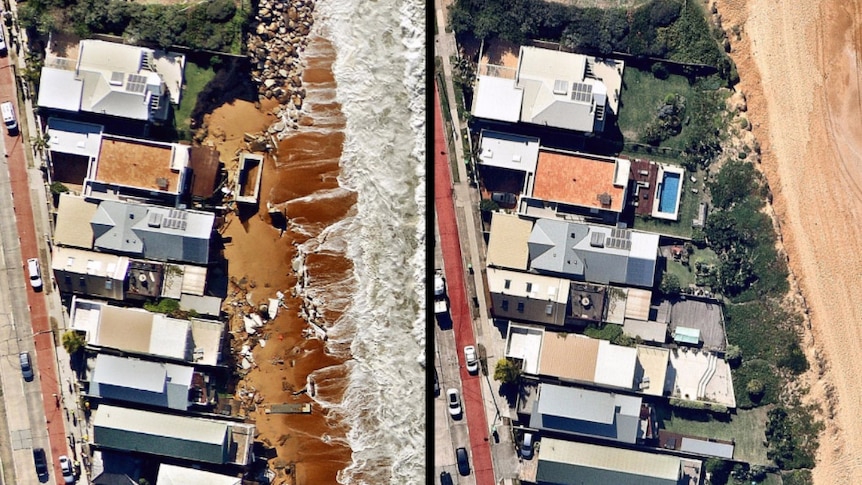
(561,462)
(584,413)
(551,88)
(147,383)
(179,475)
(137,230)
(135,331)
(184,438)
(124,87)
(598,254)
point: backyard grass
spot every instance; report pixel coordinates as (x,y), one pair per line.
(642,95)
(688,205)
(746,427)
(685,276)
(196,77)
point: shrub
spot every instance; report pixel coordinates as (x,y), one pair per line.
(506,371)
(755,389)
(670,286)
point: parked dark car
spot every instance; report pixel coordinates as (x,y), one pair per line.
(446,478)
(463,461)
(41,464)
(26,366)
(436,384)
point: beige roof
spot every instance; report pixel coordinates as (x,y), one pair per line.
(125,329)
(73,222)
(637,304)
(653,362)
(632,462)
(568,356)
(541,287)
(507,245)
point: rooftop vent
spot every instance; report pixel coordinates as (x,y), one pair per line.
(162,183)
(155,219)
(561,87)
(604,199)
(597,240)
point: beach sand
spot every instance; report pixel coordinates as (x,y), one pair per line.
(310,447)
(799,67)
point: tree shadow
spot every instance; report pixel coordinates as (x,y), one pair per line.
(232,81)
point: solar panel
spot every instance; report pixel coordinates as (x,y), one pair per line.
(582,92)
(136,83)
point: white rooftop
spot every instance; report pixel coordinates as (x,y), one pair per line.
(513,152)
(525,342)
(59,88)
(615,365)
(497,99)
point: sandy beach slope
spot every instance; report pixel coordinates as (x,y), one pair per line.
(799,67)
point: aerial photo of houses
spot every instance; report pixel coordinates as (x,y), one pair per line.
(180,246)
(622,294)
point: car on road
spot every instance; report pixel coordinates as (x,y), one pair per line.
(436,384)
(454,402)
(463,461)
(35,273)
(472,359)
(41,464)
(446,478)
(527,445)
(66,468)
(439,285)
(26,366)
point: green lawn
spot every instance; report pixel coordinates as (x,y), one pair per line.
(689,202)
(641,97)
(746,427)
(196,77)
(640,100)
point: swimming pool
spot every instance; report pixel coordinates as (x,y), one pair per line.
(669,193)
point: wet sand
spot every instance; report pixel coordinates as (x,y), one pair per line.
(799,67)
(260,263)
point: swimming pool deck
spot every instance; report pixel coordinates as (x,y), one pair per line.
(671,216)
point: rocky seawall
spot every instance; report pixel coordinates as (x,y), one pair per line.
(277,37)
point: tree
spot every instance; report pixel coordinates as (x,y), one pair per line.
(73,341)
(488,205)
(733,355)
(670,285)
(506,371)
(58,188)
(755,389)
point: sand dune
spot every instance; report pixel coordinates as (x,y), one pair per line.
(799,67)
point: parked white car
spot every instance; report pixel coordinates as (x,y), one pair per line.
(472,359)
(454,402)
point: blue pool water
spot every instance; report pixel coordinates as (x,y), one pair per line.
(669,190)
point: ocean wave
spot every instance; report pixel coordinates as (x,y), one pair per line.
(383,103)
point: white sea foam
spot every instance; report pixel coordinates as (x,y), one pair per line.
(379,70)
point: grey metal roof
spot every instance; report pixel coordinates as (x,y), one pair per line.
(570,248)
(144,382)
(158,233)
(194,439)
(709,448)
(573,463)
(592,413)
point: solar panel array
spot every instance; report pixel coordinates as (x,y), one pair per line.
(619,239)
(176,219)
(582,92)
(136,83)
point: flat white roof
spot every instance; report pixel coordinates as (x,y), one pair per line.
(59,89)
(615,365)
(525,342)
(176,475)
(80,261)
(512,152)
(497,99)
(74,138)
(541,287)
(644,245)
(703,447)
